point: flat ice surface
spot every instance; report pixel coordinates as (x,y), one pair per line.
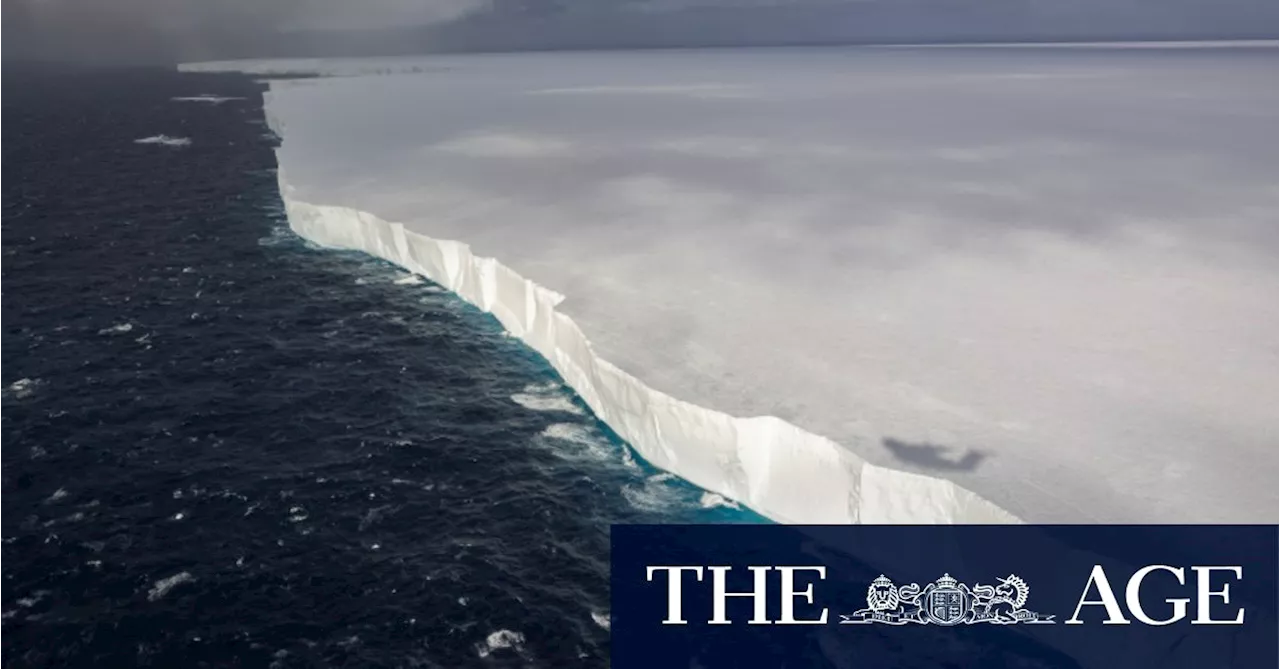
(1046,274)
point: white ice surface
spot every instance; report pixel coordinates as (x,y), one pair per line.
(1046,275)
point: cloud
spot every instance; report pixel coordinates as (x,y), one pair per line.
(219,29)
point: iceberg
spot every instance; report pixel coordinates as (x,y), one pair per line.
(848,285)
(164,140)
(205,98)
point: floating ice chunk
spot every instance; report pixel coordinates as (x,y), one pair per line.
(206,98)
(164,139)
(164,585)
(499,640)
(409,280)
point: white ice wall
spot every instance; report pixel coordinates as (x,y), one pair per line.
(775,468)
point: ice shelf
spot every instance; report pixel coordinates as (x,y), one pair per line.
(777,469)
(845,285)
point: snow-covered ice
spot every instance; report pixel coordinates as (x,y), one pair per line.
(1045,275)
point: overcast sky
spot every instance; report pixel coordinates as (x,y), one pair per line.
(168,30)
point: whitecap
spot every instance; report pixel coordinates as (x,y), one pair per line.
(409,280)
(642,498)
(653,495)
(22,387)
(579,437)
(629,460)
(165,140)
(545,397)
(164,585)
(116,329)
(57,495)
(499,640)
(601,619)
(711,500)
(28,602)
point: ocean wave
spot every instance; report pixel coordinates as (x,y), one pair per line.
(546,397)
(408,280)
(579,440)
(654,495)
(601,619)
(710,500)
(164,585)
(22,388)
(500,640)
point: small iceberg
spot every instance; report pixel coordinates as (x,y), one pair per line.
(165,140)
(206,98)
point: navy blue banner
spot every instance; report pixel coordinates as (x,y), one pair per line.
(882,597)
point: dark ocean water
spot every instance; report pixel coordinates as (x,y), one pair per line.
(224,447)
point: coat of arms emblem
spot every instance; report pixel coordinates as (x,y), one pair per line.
(946,601)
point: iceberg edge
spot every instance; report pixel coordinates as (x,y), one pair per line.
(775,468)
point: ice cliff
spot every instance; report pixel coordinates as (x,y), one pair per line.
(775,468)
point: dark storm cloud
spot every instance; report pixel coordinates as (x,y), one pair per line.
(165,30)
